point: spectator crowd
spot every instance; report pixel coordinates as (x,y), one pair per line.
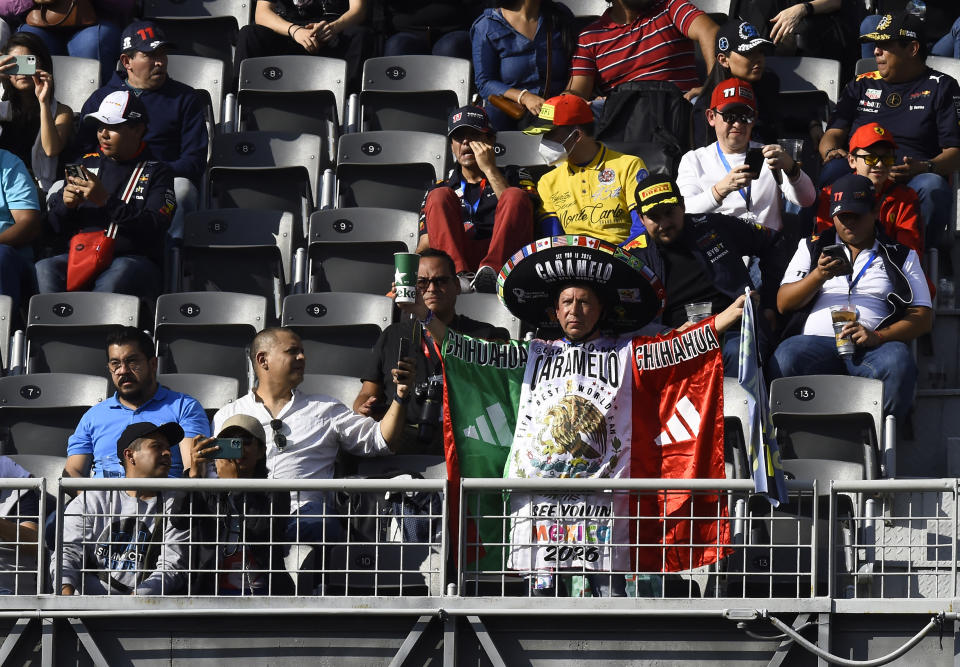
(844,213)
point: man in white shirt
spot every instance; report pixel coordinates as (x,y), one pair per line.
(716,178)
(304,432)
(887,287)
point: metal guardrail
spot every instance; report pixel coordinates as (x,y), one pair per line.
(723,547)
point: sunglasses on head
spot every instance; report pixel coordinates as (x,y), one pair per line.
(731,117)
(872,160)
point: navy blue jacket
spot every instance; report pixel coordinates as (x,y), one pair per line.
(176,127)
(142,222)
(719,242)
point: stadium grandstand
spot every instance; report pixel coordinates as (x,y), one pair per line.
(287,156)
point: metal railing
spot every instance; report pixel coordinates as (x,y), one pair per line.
(646,539)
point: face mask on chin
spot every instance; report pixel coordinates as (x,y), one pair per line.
(553,152)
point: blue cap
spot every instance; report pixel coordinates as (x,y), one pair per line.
(144,36)
(851,194)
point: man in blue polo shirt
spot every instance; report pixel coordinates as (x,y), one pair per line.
(139,398)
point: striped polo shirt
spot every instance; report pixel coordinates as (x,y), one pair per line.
(655,47)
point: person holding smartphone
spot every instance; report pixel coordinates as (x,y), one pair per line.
(736,176)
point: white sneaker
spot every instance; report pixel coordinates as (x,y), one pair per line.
(485,281)
(466,281)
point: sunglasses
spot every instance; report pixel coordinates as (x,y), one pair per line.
(731,117)
(279,439)
(439,282)
(872,160)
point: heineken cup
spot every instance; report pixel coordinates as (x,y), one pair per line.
(405,265)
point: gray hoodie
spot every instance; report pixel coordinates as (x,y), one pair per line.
(115,544)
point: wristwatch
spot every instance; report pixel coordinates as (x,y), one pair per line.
(931,167)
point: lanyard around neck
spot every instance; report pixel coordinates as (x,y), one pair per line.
(745,193)
(852,283)
(463,188)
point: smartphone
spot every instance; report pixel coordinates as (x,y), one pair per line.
(25,65)
(404,350)
(837,252)
(754,161)
(75,171)
(230,448)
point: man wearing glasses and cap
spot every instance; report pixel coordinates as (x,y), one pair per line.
(720,178)
(478,214)
(305,432)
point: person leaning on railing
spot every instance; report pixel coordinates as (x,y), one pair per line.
(242,534)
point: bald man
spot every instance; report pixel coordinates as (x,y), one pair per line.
(305,432)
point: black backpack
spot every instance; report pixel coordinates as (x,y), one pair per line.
(652,113)
(395,516)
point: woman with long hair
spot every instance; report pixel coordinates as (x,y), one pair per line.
(34,126)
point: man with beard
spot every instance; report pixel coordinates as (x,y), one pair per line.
(92,449)
(128,542)
(642,40)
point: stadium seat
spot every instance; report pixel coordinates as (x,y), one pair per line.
(208,76)
(43,465)
(338,329)
(77,79)
(865,65)
(351,249)
(736,429)
(211,391)
(412,92)
(653,156)
(520,150)
(66,331)
(586,7)
(713,6)
(344,388)
(265,170)
(208,333)
(807,74)
(946,65)
(39,412)
(217,241)
(835,418)
(487,308)
(6,316)
(388,169)
(205,28)
(293,94)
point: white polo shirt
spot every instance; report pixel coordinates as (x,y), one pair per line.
(869,294)
(316,426)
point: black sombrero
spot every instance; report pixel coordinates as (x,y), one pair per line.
(529,279)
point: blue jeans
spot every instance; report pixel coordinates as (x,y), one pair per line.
(948,45)
(454,44)
(891,363)
(100,42)
(127,274)
(312,525)
(17,279)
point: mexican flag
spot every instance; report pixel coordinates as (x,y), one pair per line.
(610,408)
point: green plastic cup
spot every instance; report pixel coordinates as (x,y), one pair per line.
(406,265)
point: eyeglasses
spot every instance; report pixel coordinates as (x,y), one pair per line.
(279,439)
(439,282)
(872,160)
(731,117)
(132,363)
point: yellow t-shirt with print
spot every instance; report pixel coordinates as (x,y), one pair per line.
(596,199)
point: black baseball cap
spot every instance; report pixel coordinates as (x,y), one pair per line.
(655,191)
(900,26)
(171,431)
(144,36)
(740,36)
(468,116)
(851,194)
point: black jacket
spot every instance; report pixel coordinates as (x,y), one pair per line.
(719,242)
(143,222)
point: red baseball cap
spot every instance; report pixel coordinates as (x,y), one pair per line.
(732,93)
(870,134)
(559,111)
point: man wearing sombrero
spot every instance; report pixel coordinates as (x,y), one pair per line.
(597,403)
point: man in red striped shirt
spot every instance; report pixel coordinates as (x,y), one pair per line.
(638,40)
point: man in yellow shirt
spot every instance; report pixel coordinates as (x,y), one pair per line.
(591,189)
